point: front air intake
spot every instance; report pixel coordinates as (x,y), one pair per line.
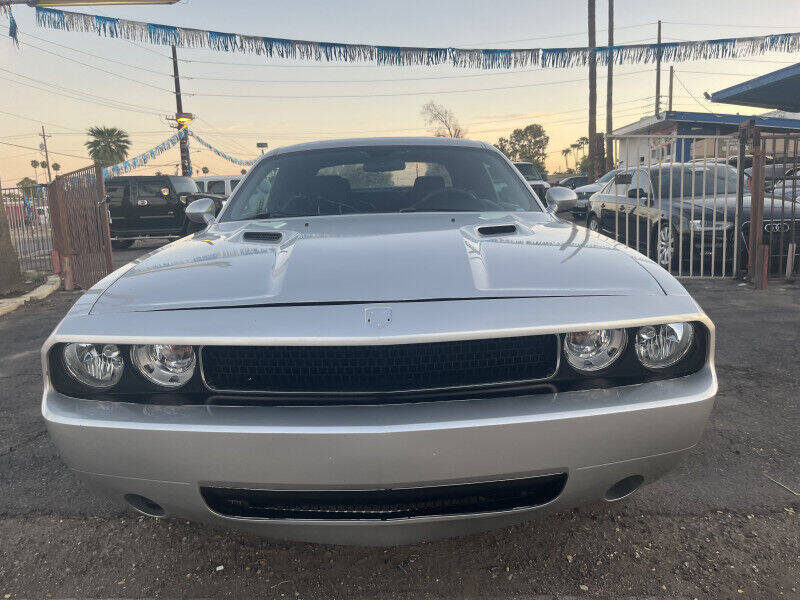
(385,504)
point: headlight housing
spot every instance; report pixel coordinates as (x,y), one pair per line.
(166,365)
(97,366)
(595,350)
(661,346)
(699,226)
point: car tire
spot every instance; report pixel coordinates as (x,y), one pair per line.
(593,223)
(121,244)
(664,246)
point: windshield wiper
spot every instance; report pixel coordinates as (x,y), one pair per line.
(268,215)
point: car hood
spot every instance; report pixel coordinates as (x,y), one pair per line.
(589,188)
(378,258)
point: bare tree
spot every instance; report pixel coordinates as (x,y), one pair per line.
(441,121)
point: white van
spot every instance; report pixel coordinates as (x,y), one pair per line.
(218,184)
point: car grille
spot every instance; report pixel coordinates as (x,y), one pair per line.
(380,369)
(382,505)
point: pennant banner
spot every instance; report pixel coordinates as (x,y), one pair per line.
(488,58)
(220,153)
(129,165)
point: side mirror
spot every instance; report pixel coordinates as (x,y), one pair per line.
(634,193)
(202,210)
(559,199)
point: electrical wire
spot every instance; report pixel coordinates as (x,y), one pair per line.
(692,95)
(40,122)
(38,150)
(398,94)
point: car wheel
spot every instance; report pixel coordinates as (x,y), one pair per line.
(593,223)
(121,244)
(664,246)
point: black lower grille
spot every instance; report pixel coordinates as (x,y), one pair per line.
(380,369)
(383,505)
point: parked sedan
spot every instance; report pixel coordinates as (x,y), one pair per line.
(683,214)
(377,342)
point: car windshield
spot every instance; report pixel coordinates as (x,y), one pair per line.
(607,177)
(379,179)
(528,171)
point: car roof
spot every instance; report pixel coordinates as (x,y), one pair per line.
(378,141)
(217,177)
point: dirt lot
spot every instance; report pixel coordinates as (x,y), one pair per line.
(718,526)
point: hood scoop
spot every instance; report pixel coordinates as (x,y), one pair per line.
(492,230)
(268,237)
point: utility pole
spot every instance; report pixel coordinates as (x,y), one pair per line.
(671,77)
(592,93)
(658,70)
(46,155)
(186,161)
(610,89)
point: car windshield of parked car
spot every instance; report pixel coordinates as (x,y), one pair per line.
(607,177)
(184,185)
(694,180)
(528,171)
(379,179)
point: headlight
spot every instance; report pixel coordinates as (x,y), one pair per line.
(699,226)
(589,351)
(94,365)
(661,346)
(164,364)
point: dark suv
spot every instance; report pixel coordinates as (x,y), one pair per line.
(148,206)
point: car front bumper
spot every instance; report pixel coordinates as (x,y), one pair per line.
(597,437)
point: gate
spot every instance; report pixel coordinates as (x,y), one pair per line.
(29,225)
(679,200)
(771,231)
(81,240)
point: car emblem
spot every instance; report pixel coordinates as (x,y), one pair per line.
(776,227)
(379,317)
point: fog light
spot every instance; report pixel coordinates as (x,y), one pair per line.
(94,365)
(166,365)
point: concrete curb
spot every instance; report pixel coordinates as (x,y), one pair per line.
(8,305)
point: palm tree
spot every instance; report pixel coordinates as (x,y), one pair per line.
(583,141)
(565,153)
(575,147)
(35,165)
(204,170)
(107,145)
(56,167)
(244,171)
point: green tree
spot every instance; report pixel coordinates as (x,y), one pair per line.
(565,153)
(204,170)
(35,165)
(26,182)
(244,171)
(528,144)
(107,145)
(56,167)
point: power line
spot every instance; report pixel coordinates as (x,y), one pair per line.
(96,68)
(692,95)
(39,121)
(551,37)
(37,150)
(397,94)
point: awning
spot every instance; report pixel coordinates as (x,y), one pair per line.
(779,89)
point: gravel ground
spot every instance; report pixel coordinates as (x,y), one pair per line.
(718,526)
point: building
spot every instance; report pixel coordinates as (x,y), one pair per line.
(683,136)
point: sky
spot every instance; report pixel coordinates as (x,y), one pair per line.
(70,81)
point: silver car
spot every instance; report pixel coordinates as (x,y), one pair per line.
(379,341)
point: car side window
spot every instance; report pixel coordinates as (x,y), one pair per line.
(216,187)
(153,188)
(115,193)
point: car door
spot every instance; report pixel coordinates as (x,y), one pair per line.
(609,202)
(156,206)
(118,202)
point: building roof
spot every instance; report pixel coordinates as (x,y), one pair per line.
(647,124)
(779,89)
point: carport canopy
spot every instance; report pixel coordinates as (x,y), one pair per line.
(779,89)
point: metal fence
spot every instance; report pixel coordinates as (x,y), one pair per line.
(772,231)
(681,200)
(80,227)
(29,223)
